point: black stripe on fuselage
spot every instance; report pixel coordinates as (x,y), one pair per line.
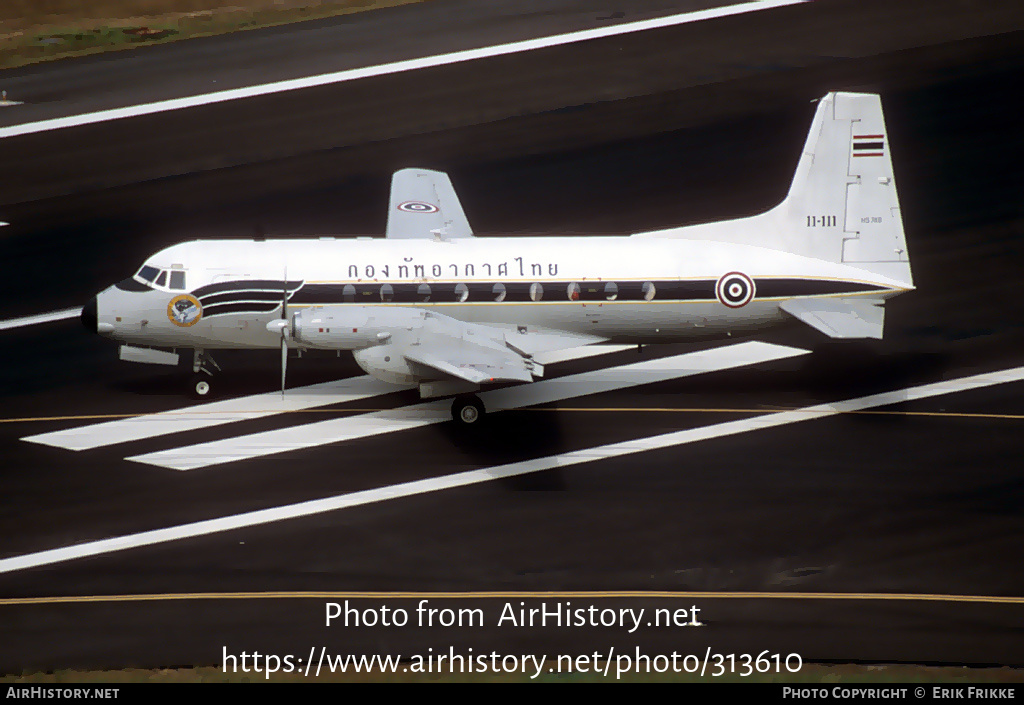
(241,296)
(482,292)
(241,307)
(786,288)
(247,285)
(369,293)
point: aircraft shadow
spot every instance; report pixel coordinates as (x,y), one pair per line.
(508,437)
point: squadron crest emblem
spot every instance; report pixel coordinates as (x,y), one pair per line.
(184,310)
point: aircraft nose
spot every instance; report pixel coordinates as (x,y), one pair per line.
(89,317)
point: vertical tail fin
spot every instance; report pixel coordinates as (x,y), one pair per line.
(843,196)
(842,204)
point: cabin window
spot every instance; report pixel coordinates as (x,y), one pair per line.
(611,291)
(348,294)
(461,292)
(649,291)
(177,279)
(573,291)
(162,279)
(536,292)
(387,293)
(423,292)
(499,292)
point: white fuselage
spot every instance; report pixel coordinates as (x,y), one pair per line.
(619,288)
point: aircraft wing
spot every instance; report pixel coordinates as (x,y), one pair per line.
(538,343)
(841,317)
(472,352)
(484,354)
(442,347)
(472,363)
(424,205)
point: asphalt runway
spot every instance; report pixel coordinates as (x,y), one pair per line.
(923,501)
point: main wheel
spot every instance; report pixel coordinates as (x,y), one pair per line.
(201,386)
(467,410)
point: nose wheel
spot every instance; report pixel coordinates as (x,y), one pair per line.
(201,386)
(467,410)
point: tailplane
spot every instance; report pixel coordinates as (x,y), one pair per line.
(424,206)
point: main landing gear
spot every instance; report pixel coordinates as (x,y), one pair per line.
(467,410)
(203,367)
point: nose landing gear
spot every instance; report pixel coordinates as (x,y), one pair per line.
(203,367)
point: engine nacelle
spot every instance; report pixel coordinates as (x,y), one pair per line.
(383,338)
(352,327)
(385,364)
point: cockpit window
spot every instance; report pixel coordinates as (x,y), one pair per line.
(177,279)
(148,273)
(162,279)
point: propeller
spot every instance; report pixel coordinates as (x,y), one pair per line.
(281,325)
(284,329)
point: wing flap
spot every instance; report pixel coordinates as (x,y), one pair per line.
(471,363)
(840,318)
(535,342)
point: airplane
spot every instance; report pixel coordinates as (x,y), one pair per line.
(433,306)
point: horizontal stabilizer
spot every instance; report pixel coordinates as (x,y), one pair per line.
(839,318)
(424,206)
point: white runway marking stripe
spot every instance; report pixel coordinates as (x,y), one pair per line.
(40,318)
(390,68)
(472,477)
(251,407)
(387,421)
(214,414)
